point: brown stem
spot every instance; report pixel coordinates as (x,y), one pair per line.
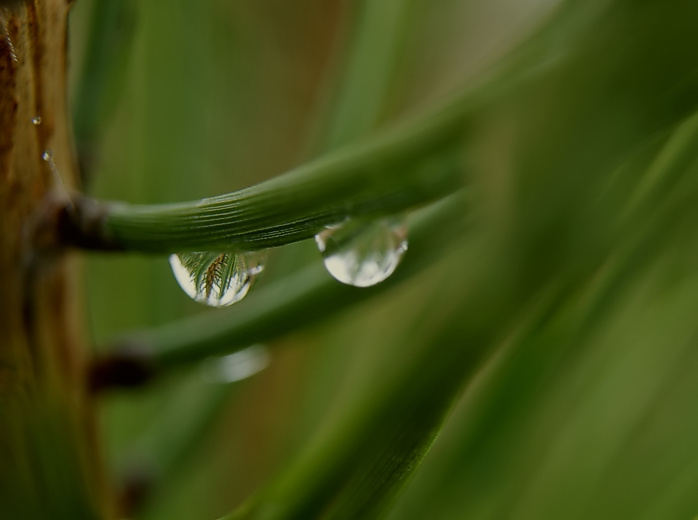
(129,367)
(64,222)
(48,451)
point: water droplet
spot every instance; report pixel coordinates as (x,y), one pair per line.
(58,186)
(362,252)
(216,278)
(36,121)
(237,366)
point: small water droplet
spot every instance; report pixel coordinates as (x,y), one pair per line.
(216,279)
(36,121)
(362,252)
(237,366)
(58,187)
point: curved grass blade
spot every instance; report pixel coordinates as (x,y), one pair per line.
(291,303)
(409,164)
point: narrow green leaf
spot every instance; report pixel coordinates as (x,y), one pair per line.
(295,301)
(409,164)
(103,73)
(365,81)
(168,445)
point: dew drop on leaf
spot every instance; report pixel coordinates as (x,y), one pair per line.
(216,279)
(237,366)
(361,252)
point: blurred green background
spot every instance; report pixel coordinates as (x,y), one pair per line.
(579,280)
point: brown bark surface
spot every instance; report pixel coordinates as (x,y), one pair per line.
(48,462)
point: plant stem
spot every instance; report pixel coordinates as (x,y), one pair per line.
(51,465)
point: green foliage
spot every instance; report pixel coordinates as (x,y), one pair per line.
(543,326)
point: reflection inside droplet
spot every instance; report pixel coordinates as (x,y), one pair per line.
(363,252)
(216,279)
(36,121)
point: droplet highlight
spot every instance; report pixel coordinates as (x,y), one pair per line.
(363,252)
(36,121)
(47,155)
(216,279)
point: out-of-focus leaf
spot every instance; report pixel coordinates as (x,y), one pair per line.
(103,75)
(365,79)
(588,414)
(580,276)
(296,300)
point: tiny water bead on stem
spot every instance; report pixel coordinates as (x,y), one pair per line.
(362,252)
(58,186)
(216,279)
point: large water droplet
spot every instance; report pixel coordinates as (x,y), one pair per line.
(214,278)
(363,253)
(36,121)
